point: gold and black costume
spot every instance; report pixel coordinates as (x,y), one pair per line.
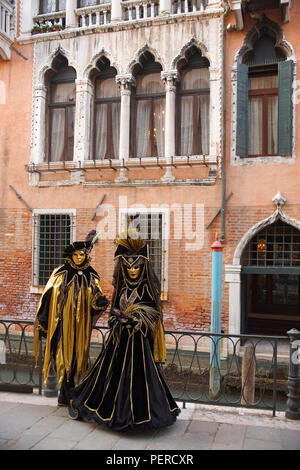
(125,388)
(72,300)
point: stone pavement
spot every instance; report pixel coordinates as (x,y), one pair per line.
(30,421)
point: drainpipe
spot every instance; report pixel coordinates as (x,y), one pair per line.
(223,209)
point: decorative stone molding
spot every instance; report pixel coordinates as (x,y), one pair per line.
(279,201)
(262,26)
(83,47)
(137,57)
(170,79)
(125,81)
(182,54)
(93,63)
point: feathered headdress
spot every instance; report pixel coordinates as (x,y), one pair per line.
(130,244)
(86,245)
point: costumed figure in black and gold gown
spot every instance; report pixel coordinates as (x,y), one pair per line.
(125,388)
(71,303)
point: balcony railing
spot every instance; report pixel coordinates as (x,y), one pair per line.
(220,369)
(92,15)
(49,22)
(95,15)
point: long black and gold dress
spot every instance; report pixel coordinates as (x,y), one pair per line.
(125,388)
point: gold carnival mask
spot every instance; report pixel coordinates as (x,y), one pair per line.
(78,257)
(134,271)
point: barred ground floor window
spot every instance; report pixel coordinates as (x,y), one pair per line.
(52,232)
(153,227)
(271,281)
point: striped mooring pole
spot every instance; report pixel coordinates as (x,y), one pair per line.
(216,302)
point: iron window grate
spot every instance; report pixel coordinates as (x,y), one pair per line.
(150,228)
(52,232)
(277,245)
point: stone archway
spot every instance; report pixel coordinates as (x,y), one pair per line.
(233,272)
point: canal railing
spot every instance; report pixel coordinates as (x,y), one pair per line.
(250,371)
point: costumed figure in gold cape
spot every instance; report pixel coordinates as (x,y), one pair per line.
(125,388)
(71,303)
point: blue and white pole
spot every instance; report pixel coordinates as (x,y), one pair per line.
(216,302)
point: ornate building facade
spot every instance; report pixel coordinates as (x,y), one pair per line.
(178,117)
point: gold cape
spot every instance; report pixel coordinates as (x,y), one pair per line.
(72,305)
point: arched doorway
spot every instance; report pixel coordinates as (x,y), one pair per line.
(270,280)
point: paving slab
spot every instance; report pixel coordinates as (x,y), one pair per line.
(37,423)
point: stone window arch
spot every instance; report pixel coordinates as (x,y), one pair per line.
(193,103)
(147,108)
(105,117)
(262,96)
(60,82)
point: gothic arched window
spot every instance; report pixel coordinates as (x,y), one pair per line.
(264,99)
(148,110)
(61,110)
(192,130)
(107,107)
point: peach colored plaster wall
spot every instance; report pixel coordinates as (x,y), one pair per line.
(256,185)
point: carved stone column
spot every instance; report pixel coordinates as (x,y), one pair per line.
(71,20)
(125,83)
(84,94)
(213,4)
(170,80)
(39,124)
(116,11)
(215,112)
(165,7)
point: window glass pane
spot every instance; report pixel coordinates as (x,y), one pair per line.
(150,227)
(115,123)
(272,125)
(255,122)
(86,3)
(195,79)
(54,236)
(284,289)
(57,137)
(150,83)
(48,6)
(143,128)
(63,92)
(203,125)
(70,131)
(186,144)
(107,88)
(159,127)
(276,245)
(260,83)
(101,131)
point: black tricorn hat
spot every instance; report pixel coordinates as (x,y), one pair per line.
(79,245)
(90,240)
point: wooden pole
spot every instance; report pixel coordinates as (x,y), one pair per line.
(248,375)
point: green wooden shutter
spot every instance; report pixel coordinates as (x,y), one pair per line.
(242,111)
(285,108)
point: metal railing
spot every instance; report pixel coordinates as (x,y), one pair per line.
(91,15)
(220,369)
